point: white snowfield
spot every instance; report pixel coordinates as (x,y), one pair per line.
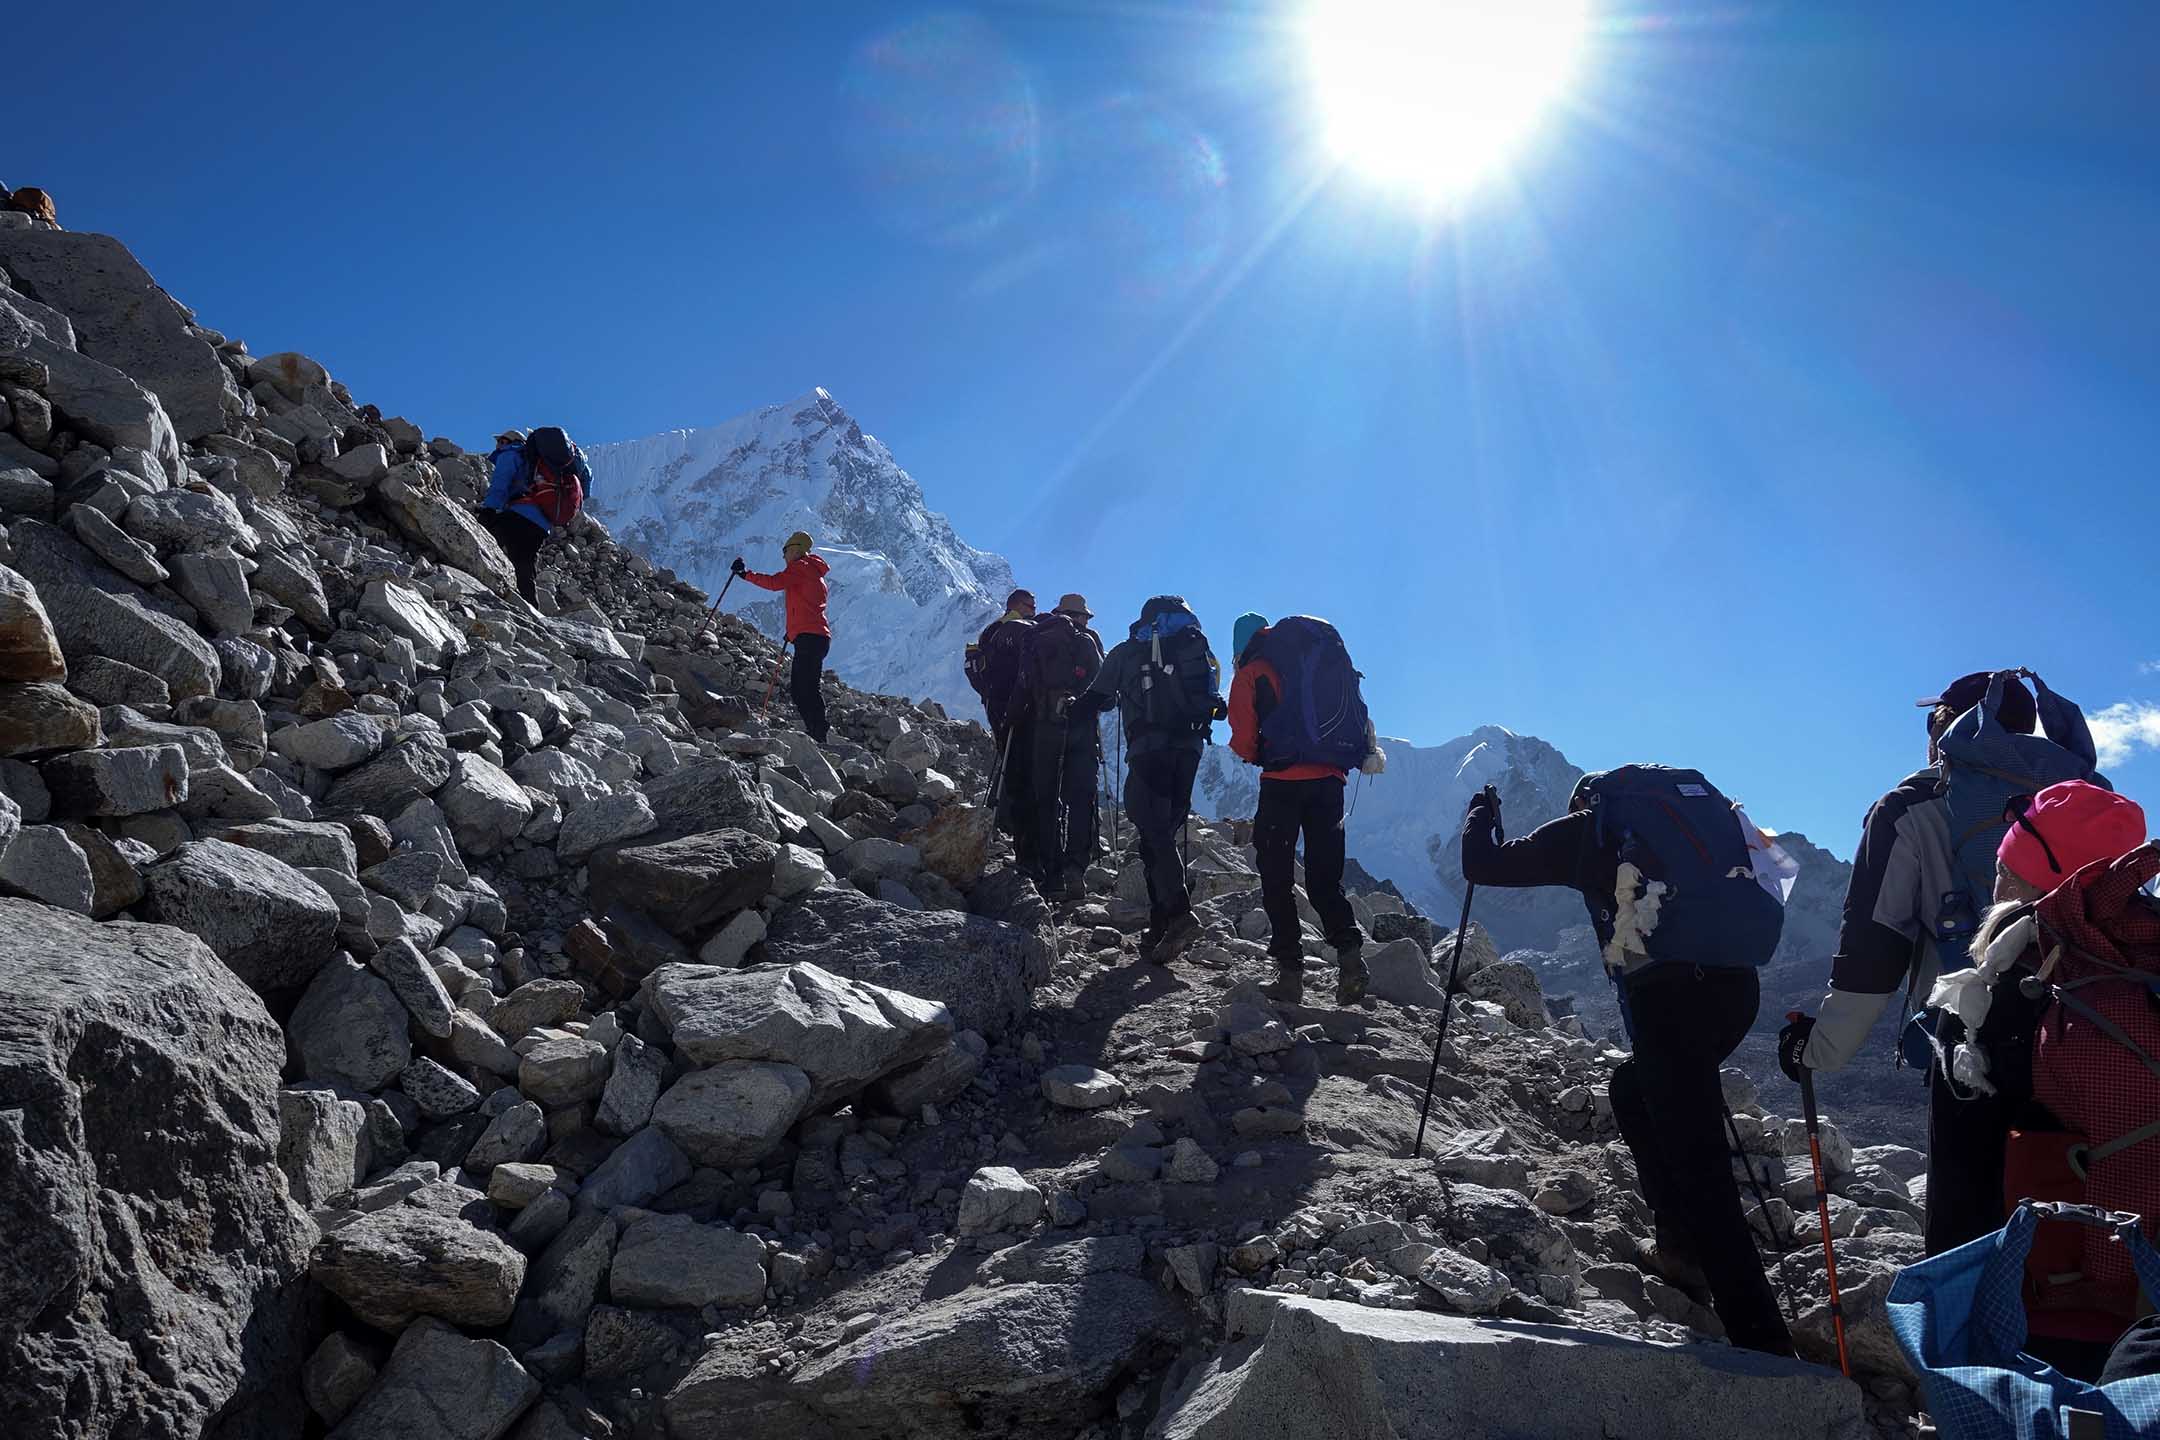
(907,594)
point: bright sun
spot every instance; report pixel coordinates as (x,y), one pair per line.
(1436,94)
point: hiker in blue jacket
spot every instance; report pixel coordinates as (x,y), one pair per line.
(538,481)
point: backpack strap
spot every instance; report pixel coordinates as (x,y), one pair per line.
(2082,1156)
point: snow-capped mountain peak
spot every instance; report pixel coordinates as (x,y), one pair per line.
(907,593)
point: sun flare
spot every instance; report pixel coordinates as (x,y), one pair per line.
(1435,95)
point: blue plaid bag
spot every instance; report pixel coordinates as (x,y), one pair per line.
(1960,1319)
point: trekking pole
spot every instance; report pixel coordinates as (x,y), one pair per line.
(1822,1209)
(717,599)
(997,771)
(1447,1008)
(765,705)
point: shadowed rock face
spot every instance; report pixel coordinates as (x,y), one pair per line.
(151,1277)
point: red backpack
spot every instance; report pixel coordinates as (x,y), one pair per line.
(2096,1067)
(553,487)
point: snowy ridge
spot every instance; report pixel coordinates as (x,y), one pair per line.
(907,593)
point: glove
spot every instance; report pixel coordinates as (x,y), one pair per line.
(1792,1044)
(1375,762)
(1221,710)
(737,566)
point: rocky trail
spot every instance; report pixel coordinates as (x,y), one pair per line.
(433,1016)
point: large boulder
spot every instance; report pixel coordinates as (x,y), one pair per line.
(731,1114)
(45,716)
(403,609)
(153,1275)
(442,1385)
(713,795)
(843,1034)
(980,969)
(97,612)
(673,1262)
(1019,1359)
(29,651)
(1328,1368)
(485,807)
(95,400)
(688,885)
(416,765)
(407,1261)
(123,318)
(350,1028)
(413,497)
(271,924)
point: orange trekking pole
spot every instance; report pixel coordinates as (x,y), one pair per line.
(1822,1209)
(765,705)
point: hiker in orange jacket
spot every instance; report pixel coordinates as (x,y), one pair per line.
(801,581)
(1299,797)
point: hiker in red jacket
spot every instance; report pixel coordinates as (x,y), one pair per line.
(802,581)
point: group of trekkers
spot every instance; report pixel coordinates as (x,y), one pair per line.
(2001,888)
(1294,710)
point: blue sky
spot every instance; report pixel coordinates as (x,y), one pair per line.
(1807,357)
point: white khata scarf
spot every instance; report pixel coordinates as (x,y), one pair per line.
(1970,993)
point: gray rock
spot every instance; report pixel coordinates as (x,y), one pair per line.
(536,1002)
(570,780)
(217,586)
(302,844)
(322,1143)
(441,1385)
(981,969)
(931,1082)
(337,743)
(180,521)
(349,1028)
(102,538)
(1329,1368)
(671,1261)
(98,401)
(438,1093)
(411,767)
(485,807)
(474,1042)
(998,1197)
(29,650)
(408,877)
(339,1372)
(412,495)
(131,780)
(42,717)
(633,1087)
(518,1134)
(513,1186)
(842,1034)
(96,612)
(219,792)
(642,1168)
(150,1278)
(712,795)
(403,610)
(1030,1358)
(112,682)
(271,924)
(566,1279)
(44,863)
(687,885)
(562,1073)
(735,1113)
(123,318)
(401,1263)
(608,820)
(22,490)
(1081,1087)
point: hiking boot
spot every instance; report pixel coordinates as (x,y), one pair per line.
(1351,977)
(1673,1256)
(1076,884)
(1177,937)
(1288,986)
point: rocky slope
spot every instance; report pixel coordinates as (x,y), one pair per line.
(440,1017)
(908,595)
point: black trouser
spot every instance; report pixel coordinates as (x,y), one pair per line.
(1968,1135)
(1065,753)
(1315,809)
(521,540)
(1158,797)
(810,653)
(1671,1110)
(1016,785)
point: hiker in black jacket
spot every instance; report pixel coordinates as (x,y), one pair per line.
(1684,1021)
(1063,657)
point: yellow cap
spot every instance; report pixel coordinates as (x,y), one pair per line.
(800,540)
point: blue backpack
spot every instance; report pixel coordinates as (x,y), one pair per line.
(1984,766)
(1320,718)
(1679,831)
(1179,682)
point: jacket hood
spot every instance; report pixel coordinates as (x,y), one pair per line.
(813,562)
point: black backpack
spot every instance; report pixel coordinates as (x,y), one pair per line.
(1179,684)
(1001,664)
(1320,717)
(1064,657)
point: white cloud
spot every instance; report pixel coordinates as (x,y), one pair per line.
(2124,727)
(2149,667)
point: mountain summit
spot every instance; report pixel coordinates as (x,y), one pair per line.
(907,593)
